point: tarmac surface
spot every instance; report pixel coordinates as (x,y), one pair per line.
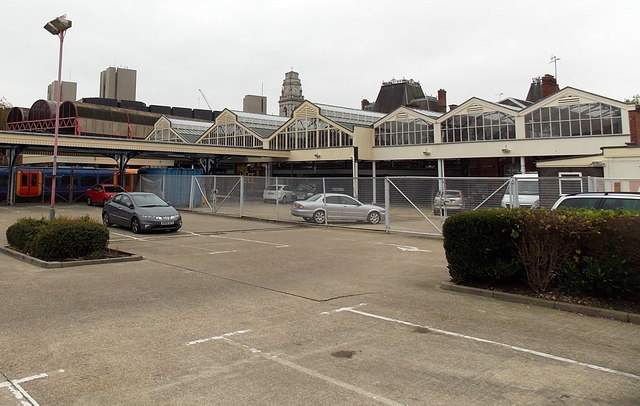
(231,311)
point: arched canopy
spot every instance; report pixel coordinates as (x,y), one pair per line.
(42,110)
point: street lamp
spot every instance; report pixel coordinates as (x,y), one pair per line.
(58,26)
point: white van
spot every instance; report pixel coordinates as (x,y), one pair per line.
(522,191)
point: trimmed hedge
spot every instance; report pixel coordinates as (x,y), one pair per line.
(579,252)
(479,246)
(59,239)
(22,232)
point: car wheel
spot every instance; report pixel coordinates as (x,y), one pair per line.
(105,219)
(135,225)
(318,217)
(284,200)
(89,202)
(373,217)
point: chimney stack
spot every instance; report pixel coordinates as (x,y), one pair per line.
(442,101)
(549,85)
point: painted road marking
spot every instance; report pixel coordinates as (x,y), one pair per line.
(405,247)
(220,337)
(299,368)
(253,241)
(222,252)
(482,340)
(19,392)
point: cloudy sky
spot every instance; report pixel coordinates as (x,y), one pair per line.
(342,49)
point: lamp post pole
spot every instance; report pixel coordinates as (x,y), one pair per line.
(58,26)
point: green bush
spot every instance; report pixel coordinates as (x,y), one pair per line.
(580,252)
(607,262)
(546,238)
(21,234)
(59,239)
(479,246)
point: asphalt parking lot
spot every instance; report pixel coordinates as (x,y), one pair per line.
(231,311)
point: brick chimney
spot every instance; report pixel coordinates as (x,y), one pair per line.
(549,85)
(442,101)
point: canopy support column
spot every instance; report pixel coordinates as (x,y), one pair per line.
(12,154)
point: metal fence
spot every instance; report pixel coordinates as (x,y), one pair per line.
(412,204)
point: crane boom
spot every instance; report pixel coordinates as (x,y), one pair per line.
(205,99)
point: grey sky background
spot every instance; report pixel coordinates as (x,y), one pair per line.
(342,49)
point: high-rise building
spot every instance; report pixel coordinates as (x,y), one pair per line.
(118,84)
(291,96)
(68,91)
(254,104)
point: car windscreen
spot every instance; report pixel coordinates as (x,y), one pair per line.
(149,200)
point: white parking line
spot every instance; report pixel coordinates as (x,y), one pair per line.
(253,241)
(19,392)
(220,337)
(482,340)
(222,252)
(274,358)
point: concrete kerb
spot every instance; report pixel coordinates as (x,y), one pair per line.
(65,264)
(627,317)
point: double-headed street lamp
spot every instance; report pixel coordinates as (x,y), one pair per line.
(58,26)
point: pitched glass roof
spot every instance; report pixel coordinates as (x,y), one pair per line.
(347,117)
(262,124)
(190,130)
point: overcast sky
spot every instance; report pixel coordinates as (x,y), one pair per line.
(342,49)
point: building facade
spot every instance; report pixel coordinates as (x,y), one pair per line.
(118,84)
(68,91)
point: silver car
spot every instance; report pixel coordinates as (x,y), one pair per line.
(452,200)
(281,193)
(141,212)
(321,207)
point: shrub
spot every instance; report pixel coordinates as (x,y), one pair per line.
(479,246)
(66,239)
(607,263)
(546,239)
(21,234)
(59,239)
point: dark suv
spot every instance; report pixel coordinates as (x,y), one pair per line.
(600,200)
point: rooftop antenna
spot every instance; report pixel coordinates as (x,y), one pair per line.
(205,99)
(554,60)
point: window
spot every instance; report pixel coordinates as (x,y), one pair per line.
(570,182)
(480,126)
(611,203)
(310,133)
(574,121)
(580,203)
(404,131)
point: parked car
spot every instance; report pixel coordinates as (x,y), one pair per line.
(336,207)
(141,212)
(100,193)
(303,192)
(452,200)
(604,200)
(280,193)
(528,193)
